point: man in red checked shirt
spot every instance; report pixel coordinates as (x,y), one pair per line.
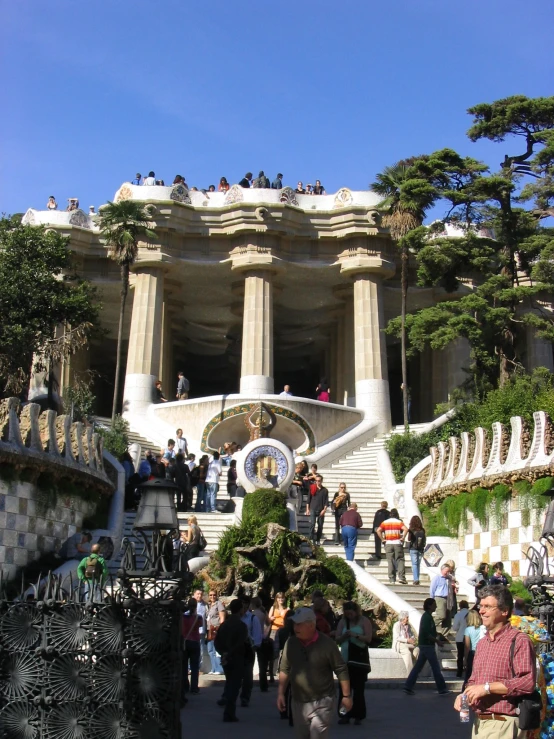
(494,687)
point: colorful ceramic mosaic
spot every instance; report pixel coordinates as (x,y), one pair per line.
(278,410)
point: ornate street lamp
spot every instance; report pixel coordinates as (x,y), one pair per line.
(156,519)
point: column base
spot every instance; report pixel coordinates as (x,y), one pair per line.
(257,385)
(373,397)
(138,394)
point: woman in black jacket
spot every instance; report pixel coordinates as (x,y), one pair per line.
(339,505)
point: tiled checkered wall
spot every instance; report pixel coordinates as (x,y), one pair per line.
(507,544)
(24,534)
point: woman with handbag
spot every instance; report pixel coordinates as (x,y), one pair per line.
(277,615)
(214,618)
(339,505)
(404,640)
(354,635)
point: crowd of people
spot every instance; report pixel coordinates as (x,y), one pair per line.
(248,181)
(245,631)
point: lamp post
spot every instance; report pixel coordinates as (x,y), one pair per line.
(155,520)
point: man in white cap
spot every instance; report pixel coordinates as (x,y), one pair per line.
(309,662)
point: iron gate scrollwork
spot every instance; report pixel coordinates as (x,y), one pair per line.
(74,669)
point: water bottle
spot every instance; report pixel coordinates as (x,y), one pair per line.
(464,710)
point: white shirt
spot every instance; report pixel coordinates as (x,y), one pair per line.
(192,464)
(214,471)
(284,394)
(149,181)
(181,444)
(170,452)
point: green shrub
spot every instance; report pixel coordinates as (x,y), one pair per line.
(341,574)
(453,512)
(266,506)
(518,590)
(477,503)
(433,523)
(116,438)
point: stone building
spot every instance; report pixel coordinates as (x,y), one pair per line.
(252,289)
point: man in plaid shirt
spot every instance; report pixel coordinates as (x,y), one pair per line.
(494,687)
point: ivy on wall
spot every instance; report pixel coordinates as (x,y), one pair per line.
(489,507)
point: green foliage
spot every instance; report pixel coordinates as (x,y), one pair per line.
(522,395)
(453,512)
(79,401)
(518,590)
(284,548)
(405,451)
(386,641)
(496,243)
(498,503)
(266,506)
(39,293)
(477,503)
(433,522)
(339,573)
(449,518)
(248,534)
(116,438)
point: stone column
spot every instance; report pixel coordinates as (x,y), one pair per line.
(259,265)
(145,340)
(256,375)
(370,354)
(370,351)
(167,374)
(340,385)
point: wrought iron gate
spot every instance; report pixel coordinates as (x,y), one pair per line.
(74,669)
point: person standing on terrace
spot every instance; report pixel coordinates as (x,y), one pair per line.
(277,183)
(138,178)
(246,181)
(52,204)
(150,180)
(223,185)
(319,189)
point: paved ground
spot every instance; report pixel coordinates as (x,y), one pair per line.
(391,714)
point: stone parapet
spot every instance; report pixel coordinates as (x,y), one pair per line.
(48,442)
(473,460)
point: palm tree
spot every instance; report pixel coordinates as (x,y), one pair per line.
(122,225)
(405,207)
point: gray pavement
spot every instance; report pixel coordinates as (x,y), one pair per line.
(391,714)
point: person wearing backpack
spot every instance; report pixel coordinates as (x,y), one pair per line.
(183,387)
(417,540)
(93,572)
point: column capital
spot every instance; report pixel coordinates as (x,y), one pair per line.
(362,260)
(252,257)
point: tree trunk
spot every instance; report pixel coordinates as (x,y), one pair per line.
(403,350)
(124,290)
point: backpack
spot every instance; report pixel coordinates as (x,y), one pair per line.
(186,385)
(417,540)
(202,543)
(93,569)
(195,476)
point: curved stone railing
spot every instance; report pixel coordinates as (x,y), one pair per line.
(483,458)
(34,439)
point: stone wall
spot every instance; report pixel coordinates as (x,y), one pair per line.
(30,527)
(507,544)
(42,457)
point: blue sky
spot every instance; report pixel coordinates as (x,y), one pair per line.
(94,91)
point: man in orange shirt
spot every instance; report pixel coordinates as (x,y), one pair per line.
(392,533)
